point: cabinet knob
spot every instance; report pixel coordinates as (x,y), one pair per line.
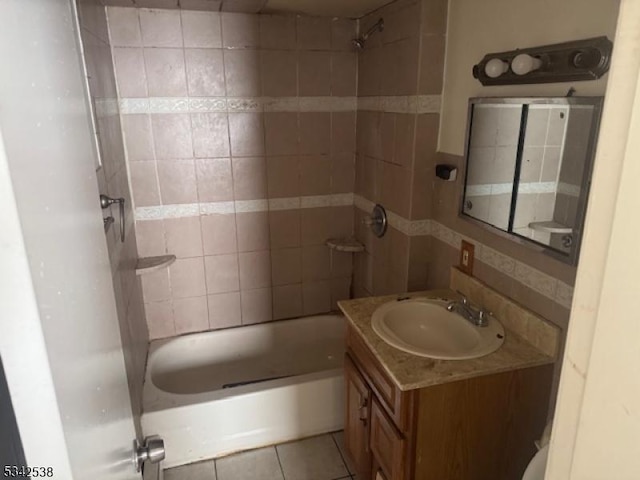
(364,402)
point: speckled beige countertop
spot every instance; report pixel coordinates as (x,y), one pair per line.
(410,371)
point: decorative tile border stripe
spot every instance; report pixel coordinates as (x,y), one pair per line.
(276,204)
(419,228)
(538,187)
(362,203)
(569,189)
(220,208)
(308,104)
(546,285)
(529,187)
(242,206)
(408,227)
(538,281)
(401,104)
(106,107)
(167,211)
(500,188)
(129,106)
(392,104)
(245,206)
(488,189)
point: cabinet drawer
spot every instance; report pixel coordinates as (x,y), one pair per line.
(387,444)
(397,403)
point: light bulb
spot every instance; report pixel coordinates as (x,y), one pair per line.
(495,67)
(523,64)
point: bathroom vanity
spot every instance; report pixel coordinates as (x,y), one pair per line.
(411,417)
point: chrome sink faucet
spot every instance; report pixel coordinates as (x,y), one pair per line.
(477,317)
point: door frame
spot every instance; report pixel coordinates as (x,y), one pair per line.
(597,425)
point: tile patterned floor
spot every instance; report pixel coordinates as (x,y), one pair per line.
(315,458)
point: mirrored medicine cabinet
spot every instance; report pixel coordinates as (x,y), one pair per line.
(528,169)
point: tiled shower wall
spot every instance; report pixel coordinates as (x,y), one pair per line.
(400,78)
(112,181)
(397,142)
(543,151)
(240,139)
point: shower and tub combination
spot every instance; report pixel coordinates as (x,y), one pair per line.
(215,393)
(244,351)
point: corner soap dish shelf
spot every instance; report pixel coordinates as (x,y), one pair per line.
(153,264)
(349,245)
(550,227)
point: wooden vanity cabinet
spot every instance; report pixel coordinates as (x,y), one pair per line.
(476,429)
(357,422)
(388,445)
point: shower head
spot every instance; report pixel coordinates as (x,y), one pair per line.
(360,41)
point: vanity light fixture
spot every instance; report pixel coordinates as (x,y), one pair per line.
(496,67)
(524,63)
(587,59)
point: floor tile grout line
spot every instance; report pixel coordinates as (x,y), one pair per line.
(344,460)
(275,447)
(349,474)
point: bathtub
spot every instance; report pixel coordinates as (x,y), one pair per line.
(214,393)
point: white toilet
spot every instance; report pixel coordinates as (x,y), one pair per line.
(538,464)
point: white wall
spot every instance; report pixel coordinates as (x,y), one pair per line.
(597,428)
(476,28)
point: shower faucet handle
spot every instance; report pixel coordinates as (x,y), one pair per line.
(360,41)
(106,202)
(377,221)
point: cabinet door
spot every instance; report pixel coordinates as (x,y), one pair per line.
(387,444)
(357,422)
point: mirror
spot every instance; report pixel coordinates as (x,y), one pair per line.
(528,168)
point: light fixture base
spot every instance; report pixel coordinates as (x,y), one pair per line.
(578,60)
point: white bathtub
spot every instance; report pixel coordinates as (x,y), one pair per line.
(296,387)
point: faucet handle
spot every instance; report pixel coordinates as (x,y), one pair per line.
(482,320)
(464,300)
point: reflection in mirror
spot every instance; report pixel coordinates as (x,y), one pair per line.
(551,174)
(529,166)
(493,148)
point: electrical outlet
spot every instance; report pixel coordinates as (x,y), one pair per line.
(466,257)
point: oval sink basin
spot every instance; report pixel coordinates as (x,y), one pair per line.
(426,328)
